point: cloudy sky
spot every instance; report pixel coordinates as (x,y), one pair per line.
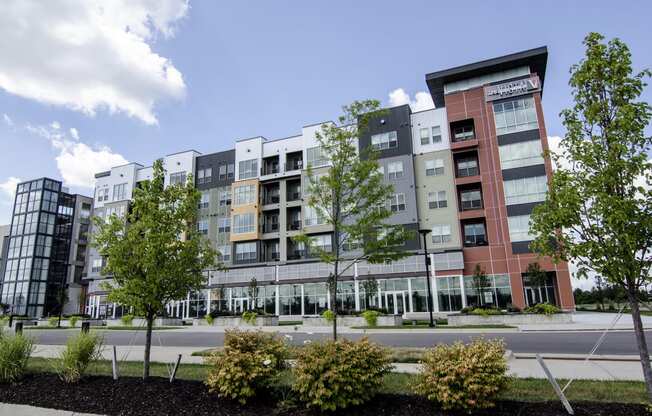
(87,84)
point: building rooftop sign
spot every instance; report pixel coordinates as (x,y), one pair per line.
(512,88)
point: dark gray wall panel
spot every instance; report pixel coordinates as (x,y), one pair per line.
(524,172)
(396,119)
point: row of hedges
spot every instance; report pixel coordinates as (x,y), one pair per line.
(334,375)
(540,309)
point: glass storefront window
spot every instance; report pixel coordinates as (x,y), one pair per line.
(419,294)
(315,299)
(498,293)
(346,297)
(449,294)
(290,299)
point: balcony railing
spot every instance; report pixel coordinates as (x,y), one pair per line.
(271,199)
(270,227)
(294,165)
(294,195)
(269,169)
(294,225)
(297,255)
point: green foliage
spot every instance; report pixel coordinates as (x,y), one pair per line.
(127,320)
(350,195)
(543,309)
(328,315)
(337,374)
(155,255)
(4,320)
(72,321)
(80,351)
(371,317)
(15,351)
(53,321)
(249,317)
(484,311)
(480,282)
(250,362)
(209,319)
(464,377)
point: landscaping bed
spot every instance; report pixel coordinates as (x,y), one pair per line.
(131,396)
(509,319)
(354,321)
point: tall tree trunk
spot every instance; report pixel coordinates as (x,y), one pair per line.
(641,341)
(333,293)
(148,346)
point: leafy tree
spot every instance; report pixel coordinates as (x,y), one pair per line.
(480,282)
(598,210)
(155,255)
(352,198)
(536,276)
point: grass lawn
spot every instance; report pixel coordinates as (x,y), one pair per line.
(101,328)
(438,326)
(531,390)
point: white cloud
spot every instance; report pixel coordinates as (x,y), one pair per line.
(77,162)
(8,188)
(7,120)
(422,100)
(89,55)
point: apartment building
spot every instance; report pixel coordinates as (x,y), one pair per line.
(44,250)
(470,171)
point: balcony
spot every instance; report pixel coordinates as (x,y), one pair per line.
(294,196)
(270,166)
(294,225)
(297,255)
(273,198)
(273,256)
(463,134)
(294,161)
(271,227)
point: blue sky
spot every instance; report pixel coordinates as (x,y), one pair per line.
(241,69)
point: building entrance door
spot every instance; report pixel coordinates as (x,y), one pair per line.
(535,295)
(395,302)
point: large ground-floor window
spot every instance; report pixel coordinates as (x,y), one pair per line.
(540,292)
(449,294)
(497,292)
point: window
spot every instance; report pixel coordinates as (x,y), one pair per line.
(525,190)
(102,194)
(425,135)
(515,115)
(521,154)
(230,171)
(519,228)
(434,167)
(323,242)
(202,227)
(178,178)
(312,216)
(205,198)
(397,203)
(225,252)
(467,166)
(245,252)
(96,266)
(475,235)
(43,246)
(49,201)
(225,197)
(382,141)
(243,223)
(118,211)
(316,156)
(248,169)
(204,175)
(224,225)
(471,199)
(436,134)
(437,200)
(245,194)
(395,170)
(221,172)
(441,233)
(46,223)
(463,132)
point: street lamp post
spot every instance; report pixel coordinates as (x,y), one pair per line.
(425,233)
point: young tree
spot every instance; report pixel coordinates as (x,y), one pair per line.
(352,198)
(370,287)
(480,283)
(598,210)
(155,255)
(253,293)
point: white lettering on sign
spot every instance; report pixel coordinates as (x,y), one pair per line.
(512,88)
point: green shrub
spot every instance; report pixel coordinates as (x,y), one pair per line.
(73,321)
(543,309)
(337,374)
(209,319)
(328,315)
(80,351)
(4,321)
(485,311)
(127,320)
(249,363)
(463,376)
(14,352)
(53,321)
(371,317)
(249,317)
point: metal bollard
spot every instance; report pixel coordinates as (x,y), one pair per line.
(85,327)
(19,328)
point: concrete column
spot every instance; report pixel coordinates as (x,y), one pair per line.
(278,299)
(303,312)
(208,301)
(357,294)
(463,291)
(410,296)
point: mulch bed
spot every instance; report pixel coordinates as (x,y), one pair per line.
(130,396)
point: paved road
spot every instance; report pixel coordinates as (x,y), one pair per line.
(617,343)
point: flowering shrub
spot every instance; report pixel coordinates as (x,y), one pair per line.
(250,361)
(336,374)
(463,376)
(543,308)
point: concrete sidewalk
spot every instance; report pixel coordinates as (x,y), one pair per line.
(24,410)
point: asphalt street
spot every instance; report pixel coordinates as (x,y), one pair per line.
(616,343)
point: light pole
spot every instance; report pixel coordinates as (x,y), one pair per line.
(425,233)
